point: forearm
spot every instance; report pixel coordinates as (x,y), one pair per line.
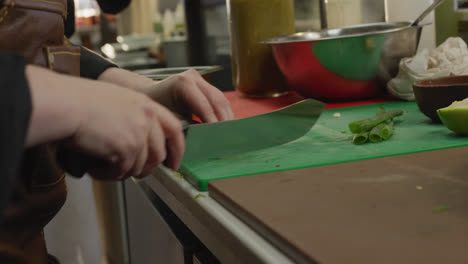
(55,100)
(127,79)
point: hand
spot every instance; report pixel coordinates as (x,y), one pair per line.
(184,93)
(129,130)
(188,93)
(112,123)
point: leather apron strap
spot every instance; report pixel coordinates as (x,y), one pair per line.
(35,29)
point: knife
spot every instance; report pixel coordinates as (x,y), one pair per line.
(214,140)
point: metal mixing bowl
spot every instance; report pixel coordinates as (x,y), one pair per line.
(346,63)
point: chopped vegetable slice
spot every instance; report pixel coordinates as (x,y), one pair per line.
(368,124)
(179,175)
(387,130)
(375,134)
(442,209)
(381,132)
(198,196)
(361,138)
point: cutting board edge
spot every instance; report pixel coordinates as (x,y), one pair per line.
(281,243)
(202,184)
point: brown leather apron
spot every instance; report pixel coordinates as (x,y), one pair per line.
(35,29)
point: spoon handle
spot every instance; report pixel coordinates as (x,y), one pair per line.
(426,12)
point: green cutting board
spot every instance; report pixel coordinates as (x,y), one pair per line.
(330,142)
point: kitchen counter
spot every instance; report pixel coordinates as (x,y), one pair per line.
(236,231)
(224,234)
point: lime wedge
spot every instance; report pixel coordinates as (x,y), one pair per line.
(455,117)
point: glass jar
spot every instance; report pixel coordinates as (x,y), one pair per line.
(254,70)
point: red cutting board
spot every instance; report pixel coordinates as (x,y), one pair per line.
(246,106)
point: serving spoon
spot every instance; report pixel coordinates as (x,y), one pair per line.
(426,12)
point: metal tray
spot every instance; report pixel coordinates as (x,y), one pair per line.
(163,73)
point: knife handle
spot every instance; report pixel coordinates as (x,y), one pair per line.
(78,164)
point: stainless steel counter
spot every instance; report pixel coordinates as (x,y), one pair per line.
(222,233)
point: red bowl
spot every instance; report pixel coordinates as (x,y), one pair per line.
(343,64)
(310,78)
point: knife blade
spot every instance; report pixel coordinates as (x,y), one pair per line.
(214,140)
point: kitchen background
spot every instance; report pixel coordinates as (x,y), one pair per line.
(154,34)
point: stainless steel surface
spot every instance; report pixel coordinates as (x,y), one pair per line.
(176,52)
(344,32)
(224,234)
(426,12)
(376,50)
(131,52)
(151,241)
(162,73)
(135,60)
(323,14)
(398,45)
(253,133)
(112,218)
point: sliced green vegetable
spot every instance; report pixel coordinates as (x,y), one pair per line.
(375,134)
(368,124)
(361,138)
(198,196)
(387,130)
(442,209)
(179,175)
(381,132)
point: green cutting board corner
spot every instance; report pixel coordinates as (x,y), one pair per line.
(330,142)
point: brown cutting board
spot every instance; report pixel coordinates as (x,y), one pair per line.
(401,209)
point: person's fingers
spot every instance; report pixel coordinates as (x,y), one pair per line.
(141,131)
(173,130)
(196,101)
(140,162)
(176,146)
(156,149)
(129,150)
(219,103)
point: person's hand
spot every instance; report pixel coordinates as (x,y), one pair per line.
(184,93)
(129,130)
(124,128)
(188,93)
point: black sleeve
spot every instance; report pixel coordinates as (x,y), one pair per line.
(15,111)
(69,23)
(113,6)
(93,64)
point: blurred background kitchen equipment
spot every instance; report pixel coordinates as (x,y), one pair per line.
(163,73)
(341,13)
(255,73)
(426,12)
(439,93)
(175,52)
(346,63)
(131,51)
(404,10)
